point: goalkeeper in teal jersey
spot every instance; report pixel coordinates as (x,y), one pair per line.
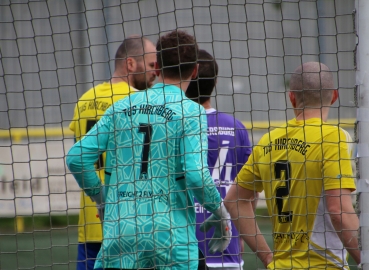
(156,147)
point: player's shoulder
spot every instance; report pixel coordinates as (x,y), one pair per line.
(92,93)
(273,134)
(188,106)
(335,133)
(190,109)
(131,100)
(266,138)
(194,105)
(106,90)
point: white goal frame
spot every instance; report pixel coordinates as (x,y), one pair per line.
(362,82)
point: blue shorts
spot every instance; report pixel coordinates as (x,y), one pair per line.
(87,253)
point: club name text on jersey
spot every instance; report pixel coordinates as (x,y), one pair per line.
(287,144)
(94,105)
(159,110)
(216,131)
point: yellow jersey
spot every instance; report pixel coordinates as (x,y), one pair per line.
(294,165)
(90,107)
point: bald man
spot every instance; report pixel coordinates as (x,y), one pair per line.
(134,70)
(305,171)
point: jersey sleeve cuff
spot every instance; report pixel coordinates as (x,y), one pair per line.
(350,186)
(248,185)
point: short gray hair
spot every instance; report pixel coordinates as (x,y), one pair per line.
(313,85)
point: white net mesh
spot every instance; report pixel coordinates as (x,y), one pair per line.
(53,51)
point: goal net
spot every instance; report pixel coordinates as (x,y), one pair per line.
(54,51)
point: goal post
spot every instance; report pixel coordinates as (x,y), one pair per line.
(362,81)
(51,52)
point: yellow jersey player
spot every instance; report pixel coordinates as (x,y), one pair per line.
(134,70)
(304,168)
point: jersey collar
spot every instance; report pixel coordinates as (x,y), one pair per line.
(167,87)
(311,121)
(211,110)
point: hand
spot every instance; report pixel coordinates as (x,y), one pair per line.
(222,236)
(267,260)
(99,199)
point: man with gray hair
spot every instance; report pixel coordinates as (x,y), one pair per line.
(304,168)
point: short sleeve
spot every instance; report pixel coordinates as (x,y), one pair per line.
(249,174)
(83,155)
(337,170)
(72,125)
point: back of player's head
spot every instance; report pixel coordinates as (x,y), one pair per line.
(132,46)
(312,84)
(200,89)
(177,54)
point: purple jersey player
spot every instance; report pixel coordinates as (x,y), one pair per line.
(229,149)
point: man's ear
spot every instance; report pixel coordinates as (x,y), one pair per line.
(334,96)
(194,72)
(157,69)
(292,98)
(131,65)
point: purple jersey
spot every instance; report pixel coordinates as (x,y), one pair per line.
(229,149)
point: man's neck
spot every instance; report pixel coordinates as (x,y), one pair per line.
(118,78)
(207,105)
(182,84)
(312,113)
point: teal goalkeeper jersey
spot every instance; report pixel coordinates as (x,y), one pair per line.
(156,144)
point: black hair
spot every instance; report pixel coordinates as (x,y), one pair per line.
(177,54)
(201,88)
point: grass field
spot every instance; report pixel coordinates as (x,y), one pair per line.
(40,247)
(46,243)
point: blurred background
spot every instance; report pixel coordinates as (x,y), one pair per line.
(52,51)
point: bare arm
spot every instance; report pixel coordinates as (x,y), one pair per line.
(344,219)
(238,202)
(254,205)
(254,201)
